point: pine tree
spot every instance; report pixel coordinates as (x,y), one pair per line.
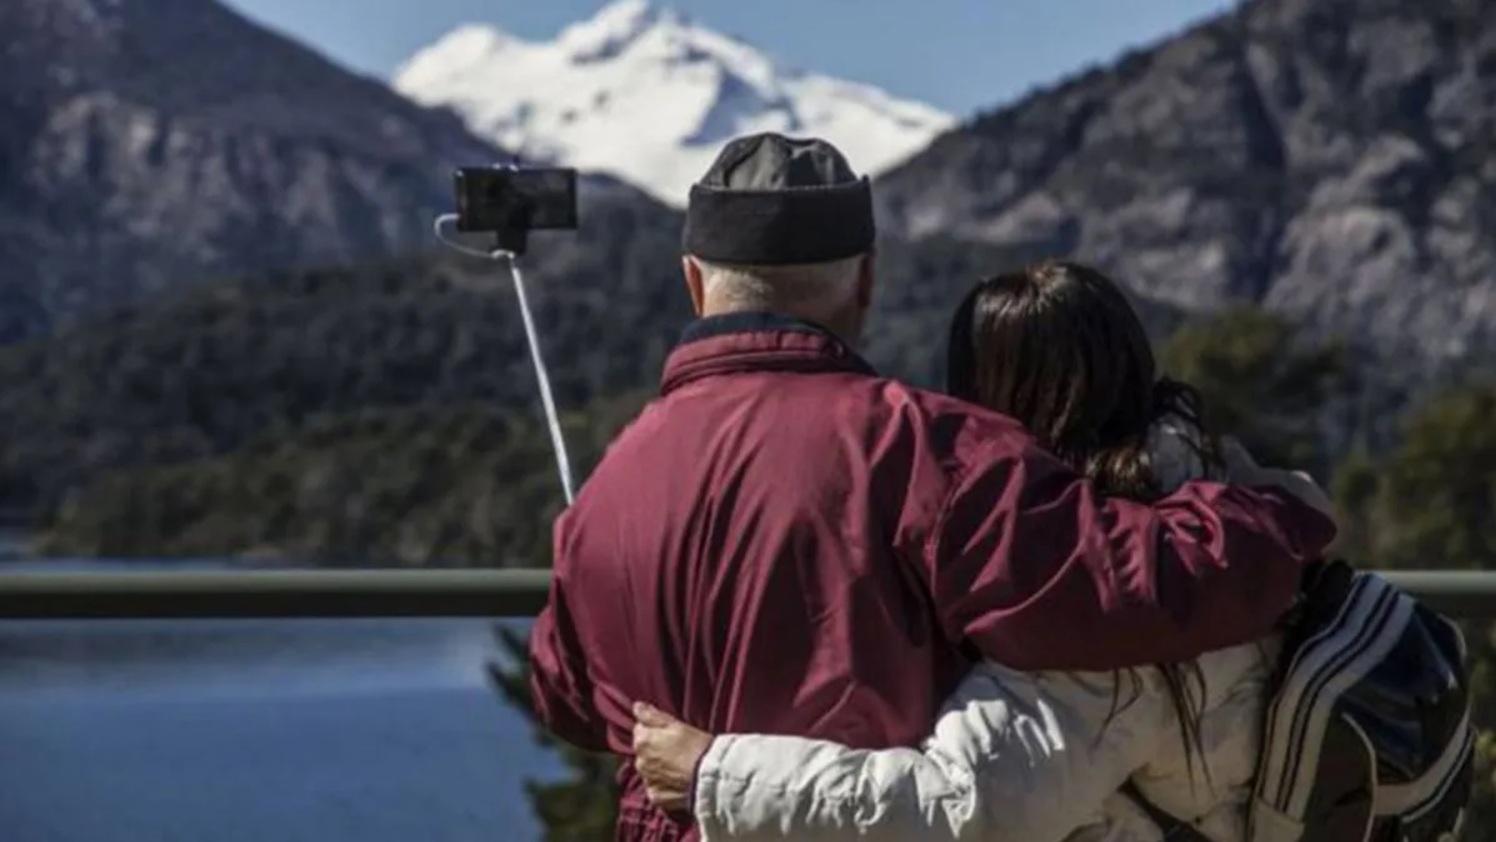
(582,806)
(1259,384)
(1431,503)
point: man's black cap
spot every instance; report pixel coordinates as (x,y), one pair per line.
(769,199)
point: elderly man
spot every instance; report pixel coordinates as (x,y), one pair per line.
(785,542)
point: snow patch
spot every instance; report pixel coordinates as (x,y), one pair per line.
(646,94)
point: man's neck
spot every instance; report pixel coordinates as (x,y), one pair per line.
(818,320)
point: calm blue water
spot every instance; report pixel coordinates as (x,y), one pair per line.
(258,730)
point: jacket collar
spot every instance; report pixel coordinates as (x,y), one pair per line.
(743,342)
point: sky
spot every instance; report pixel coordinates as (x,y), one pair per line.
(960,55)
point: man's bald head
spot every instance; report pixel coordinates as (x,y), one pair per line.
(832,293)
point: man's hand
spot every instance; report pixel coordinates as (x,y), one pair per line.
(666,753)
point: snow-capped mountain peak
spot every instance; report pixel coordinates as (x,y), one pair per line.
(645,93)
(615,28)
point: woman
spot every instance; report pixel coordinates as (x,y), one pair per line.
(1027,757)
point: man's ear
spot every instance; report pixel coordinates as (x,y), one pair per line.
(866,277)
(694,284)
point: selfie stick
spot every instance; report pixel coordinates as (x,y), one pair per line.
(553,419)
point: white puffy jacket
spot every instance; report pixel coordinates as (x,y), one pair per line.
(1019,757)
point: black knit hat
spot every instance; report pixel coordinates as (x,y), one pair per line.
(771,200)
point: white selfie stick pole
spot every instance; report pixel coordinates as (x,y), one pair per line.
(547,399)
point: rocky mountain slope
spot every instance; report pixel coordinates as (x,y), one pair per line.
(1333,160)
(644,93)
(150,143)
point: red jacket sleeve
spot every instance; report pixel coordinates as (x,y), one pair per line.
(560,688)
(1037,571)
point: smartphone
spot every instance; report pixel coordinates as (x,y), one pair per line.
(511,199)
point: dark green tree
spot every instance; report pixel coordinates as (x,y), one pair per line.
(1431,503)
(1259,384)
(582,806)
(1428,503)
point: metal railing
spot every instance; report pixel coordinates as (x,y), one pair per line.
(425,593)
(280,593)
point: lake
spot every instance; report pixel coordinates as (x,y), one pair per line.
(327,730)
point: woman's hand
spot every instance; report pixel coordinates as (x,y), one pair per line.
(666,753)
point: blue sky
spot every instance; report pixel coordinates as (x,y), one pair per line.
(961,55)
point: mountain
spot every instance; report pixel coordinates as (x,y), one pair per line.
(146,144)
(646,94)
(210,236)
(1331,160)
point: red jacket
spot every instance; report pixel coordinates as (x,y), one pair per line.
(786,542)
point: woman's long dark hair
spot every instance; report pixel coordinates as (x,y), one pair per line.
(1059,347)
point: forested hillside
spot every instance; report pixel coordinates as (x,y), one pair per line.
(193,373)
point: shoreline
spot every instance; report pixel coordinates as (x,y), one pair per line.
(15,542)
